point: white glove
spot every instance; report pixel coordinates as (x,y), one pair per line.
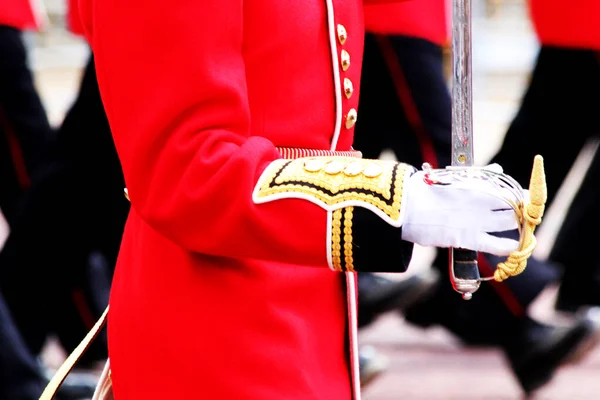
(460,215)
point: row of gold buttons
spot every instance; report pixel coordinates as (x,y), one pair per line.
(345,64)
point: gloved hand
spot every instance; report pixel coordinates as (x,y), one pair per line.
(459,215)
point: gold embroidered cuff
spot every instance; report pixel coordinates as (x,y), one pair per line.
(337,182)
(341,240)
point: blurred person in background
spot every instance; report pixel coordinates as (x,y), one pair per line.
(25,133)
(85,141)
(405,106)
(378,295)
(43,275)
(558,115)
(21,375)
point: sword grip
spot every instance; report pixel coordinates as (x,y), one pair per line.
(464,272)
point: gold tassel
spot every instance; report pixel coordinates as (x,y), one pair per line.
(533,212)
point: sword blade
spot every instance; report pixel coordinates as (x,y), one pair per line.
(462,85)
(463,267)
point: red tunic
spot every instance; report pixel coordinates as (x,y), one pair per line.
(424,19)
(215,296)
(567,23)
(21,14)
(73,20)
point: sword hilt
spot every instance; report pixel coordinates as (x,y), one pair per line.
(464,272)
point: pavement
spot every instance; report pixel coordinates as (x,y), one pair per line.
(424,364)
(432,365)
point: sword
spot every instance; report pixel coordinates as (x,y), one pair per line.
(464,271)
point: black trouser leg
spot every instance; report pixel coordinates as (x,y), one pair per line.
(68,216)
(20,377)
(556,117)
(576,243)
(85,140)
(25,133)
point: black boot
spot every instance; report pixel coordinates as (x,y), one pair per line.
(378,295)
(577,292)
(20,377)
(371,365)
(537,350)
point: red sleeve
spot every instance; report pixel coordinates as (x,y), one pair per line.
(172,80)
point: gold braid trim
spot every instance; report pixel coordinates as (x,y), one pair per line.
(336,247)
(348,259)
(532,215)
(331,181)
(339,252)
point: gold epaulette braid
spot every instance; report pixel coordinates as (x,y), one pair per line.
(532,217)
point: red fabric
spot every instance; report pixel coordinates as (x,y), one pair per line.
(73,20)
(19,14)
(214,296)
(563,23)
(424,19)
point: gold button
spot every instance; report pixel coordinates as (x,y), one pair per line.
(342,34)
(372,171)
(353,169)
(345,60)
(348,88)
(334,167)
(314,165)
(351,118)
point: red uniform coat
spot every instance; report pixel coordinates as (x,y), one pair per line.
(424,19)
(567,23)
(21,14)
(215,296)
(73,20)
